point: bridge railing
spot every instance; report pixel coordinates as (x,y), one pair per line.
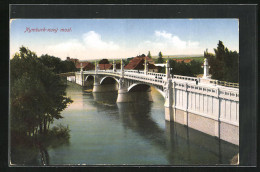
(134,71)
(157,75)
(149,74)
(222,92)
(142,78)
(224,83)
(188,78)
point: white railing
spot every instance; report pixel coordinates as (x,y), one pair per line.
(151,77)
(160,78)
(211,90)
(188,78)
(211,101)
(224,83)
(145,79)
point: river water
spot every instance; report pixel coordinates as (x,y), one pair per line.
(110,133)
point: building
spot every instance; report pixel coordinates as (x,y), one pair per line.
(75,61)
(85,66)
(183,60)
(137,63)
(105,66)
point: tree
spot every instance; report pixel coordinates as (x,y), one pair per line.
(149,54)
(103,61)
(67,66)
(160,59)
(186,69)
(224,65)
(37,94)
(56,64)
(196,68)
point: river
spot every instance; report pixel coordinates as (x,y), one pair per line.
(104,132)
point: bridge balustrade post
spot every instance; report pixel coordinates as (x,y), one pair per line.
(185,103)
(122,68)
(167,71)
(145,67)
(81,75)
(114,66)
(206,69)
(96,67)
(217,123)
(168,92)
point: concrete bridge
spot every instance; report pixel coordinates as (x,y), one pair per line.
(198,103)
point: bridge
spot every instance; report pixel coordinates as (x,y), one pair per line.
(199,103)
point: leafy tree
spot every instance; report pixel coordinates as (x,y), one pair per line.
(160,59)
(186,69)
(37,94)
(67,66)
(149,54)
(51,62)
(57,65)
(224,65)
(103,61)
(196,67)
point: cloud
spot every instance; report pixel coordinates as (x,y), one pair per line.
(92,46)
(169,44)
(66,48)
(93,40)
(89,46)
(174,41)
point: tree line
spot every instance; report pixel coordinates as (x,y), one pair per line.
(56,64)
(223,64)
(37,96)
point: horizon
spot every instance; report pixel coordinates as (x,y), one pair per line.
(94,39)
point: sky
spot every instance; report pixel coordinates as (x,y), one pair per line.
(88,39)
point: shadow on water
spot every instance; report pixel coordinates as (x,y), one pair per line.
(33,150)
(181,145)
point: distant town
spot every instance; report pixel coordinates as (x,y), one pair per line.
(135,63)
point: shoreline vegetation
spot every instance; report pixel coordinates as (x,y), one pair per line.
(37,97)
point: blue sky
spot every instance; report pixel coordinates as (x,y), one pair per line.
(122,38)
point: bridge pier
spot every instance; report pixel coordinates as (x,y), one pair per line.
(124,95)
(98,88)
(168,91)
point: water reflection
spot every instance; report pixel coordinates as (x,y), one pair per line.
(106,132)
(180,144)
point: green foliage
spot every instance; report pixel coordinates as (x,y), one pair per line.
(224,65)
(103,61)
(186,69)
(149,54)
(37,94)
(160,59)
(57,65)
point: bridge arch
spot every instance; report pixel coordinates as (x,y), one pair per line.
(109,80)
(143,87)
(89,77)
